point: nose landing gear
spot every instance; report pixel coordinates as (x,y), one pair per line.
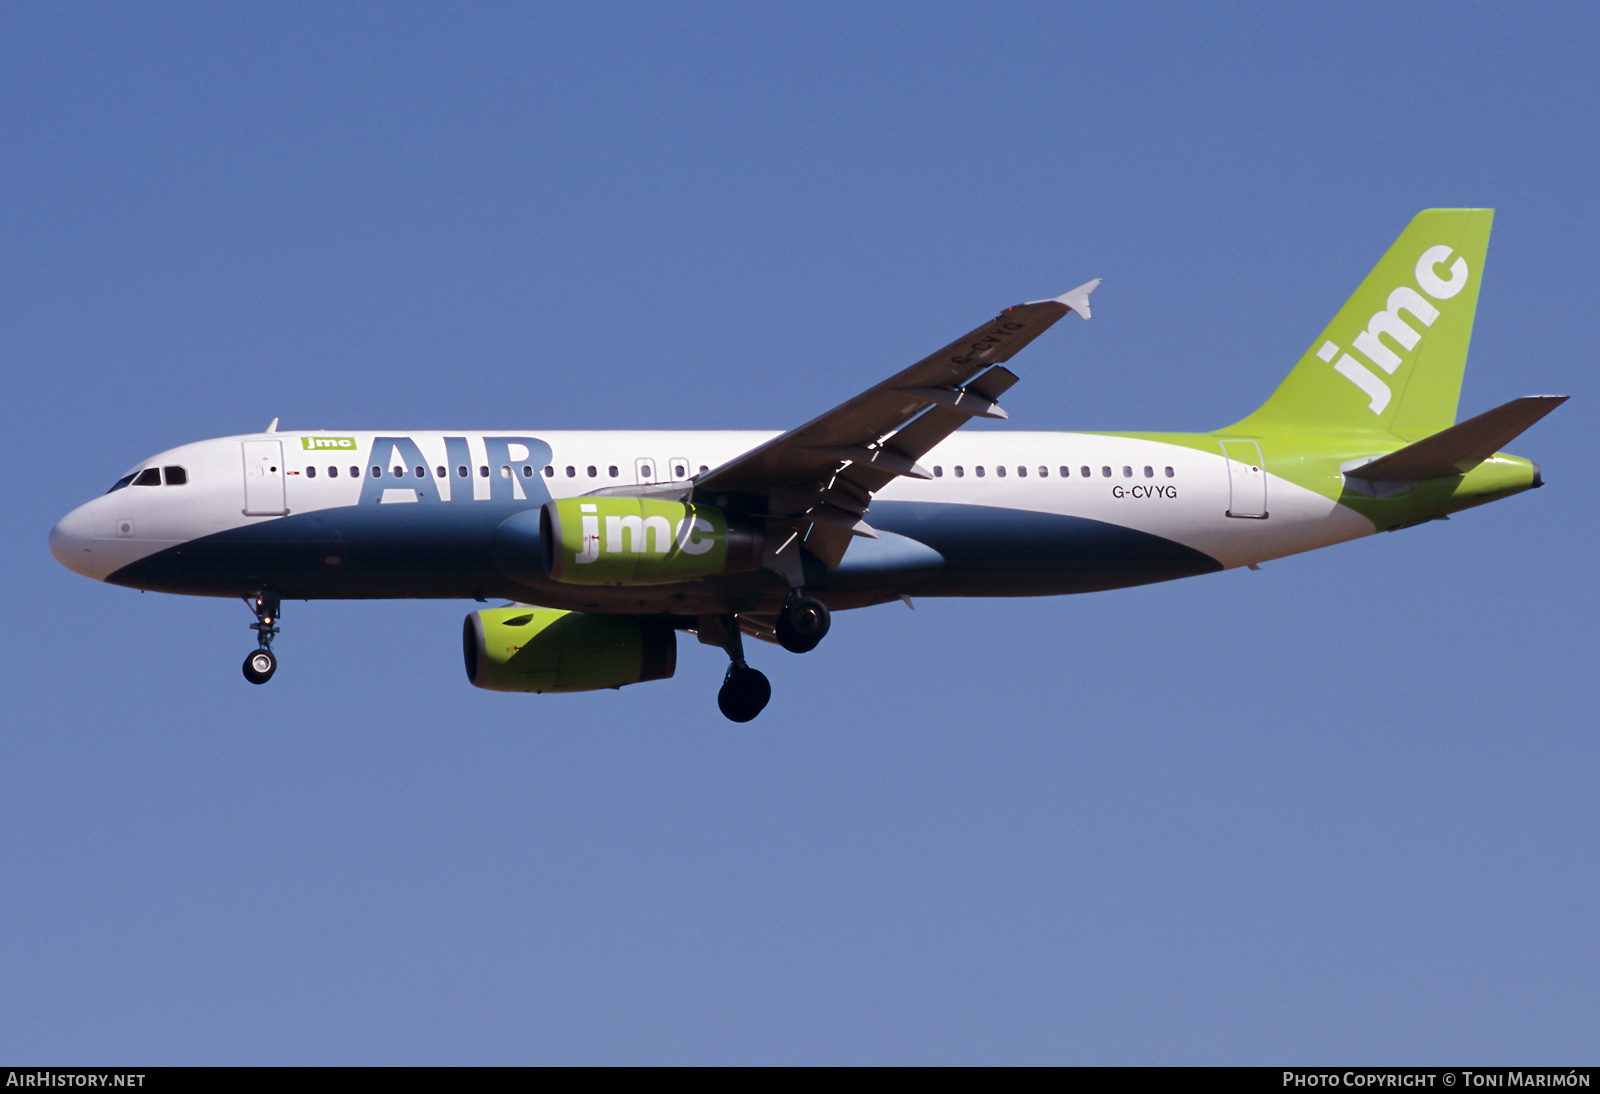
(260,665)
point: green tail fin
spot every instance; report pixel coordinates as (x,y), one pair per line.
(1392,358)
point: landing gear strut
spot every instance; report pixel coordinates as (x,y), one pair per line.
(260,665)
(802,623)
(745,691)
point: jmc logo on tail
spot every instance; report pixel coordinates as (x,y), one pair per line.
(1369,342)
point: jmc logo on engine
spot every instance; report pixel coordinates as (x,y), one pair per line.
(641,541)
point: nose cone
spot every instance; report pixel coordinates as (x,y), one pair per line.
(72,542)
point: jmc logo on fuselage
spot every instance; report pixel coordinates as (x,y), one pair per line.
(329,444)
(1369,343)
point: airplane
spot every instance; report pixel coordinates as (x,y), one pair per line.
(607,545)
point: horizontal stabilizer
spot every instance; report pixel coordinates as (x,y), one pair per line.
(1459,449)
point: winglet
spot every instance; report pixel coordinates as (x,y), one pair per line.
(1078,299)
(272,426)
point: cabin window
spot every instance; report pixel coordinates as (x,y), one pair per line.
(333,472)
(1127,472)
(461,471)
(177,476)
(377,472)
(646,472)
(960,471)
(150,476)
(1105,471)
(1022,472)
(1149,472)
(978,471)
(592,472)
(549,472)
(422,472)
(1066,472)
(1000,471)
(1169,472)
(311,473)
(612,470)
(704,469)
(679,471)
(355,472)
(938,472)
(1044,472)
(527,471)
(572,472)
(399,472)
(505,471)
(483,471)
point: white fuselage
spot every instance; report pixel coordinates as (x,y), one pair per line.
(236,486)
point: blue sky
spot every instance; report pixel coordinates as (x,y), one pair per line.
(1340,809)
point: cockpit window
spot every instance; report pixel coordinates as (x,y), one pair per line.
(176,476)
(120,483)
(150,476)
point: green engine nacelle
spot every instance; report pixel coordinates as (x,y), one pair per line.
(542,649)
(641,541)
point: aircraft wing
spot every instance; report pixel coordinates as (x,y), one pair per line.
(820,478)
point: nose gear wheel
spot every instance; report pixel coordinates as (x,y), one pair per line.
(261,664)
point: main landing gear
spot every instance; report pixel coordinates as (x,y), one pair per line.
(802,623)
(260,665)
(745,691)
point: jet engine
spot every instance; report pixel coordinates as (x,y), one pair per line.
(542,649)
(642,541)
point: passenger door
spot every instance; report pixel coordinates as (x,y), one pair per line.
(263,479)
(1247,480)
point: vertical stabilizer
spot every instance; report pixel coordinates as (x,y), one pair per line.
(1392,359)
